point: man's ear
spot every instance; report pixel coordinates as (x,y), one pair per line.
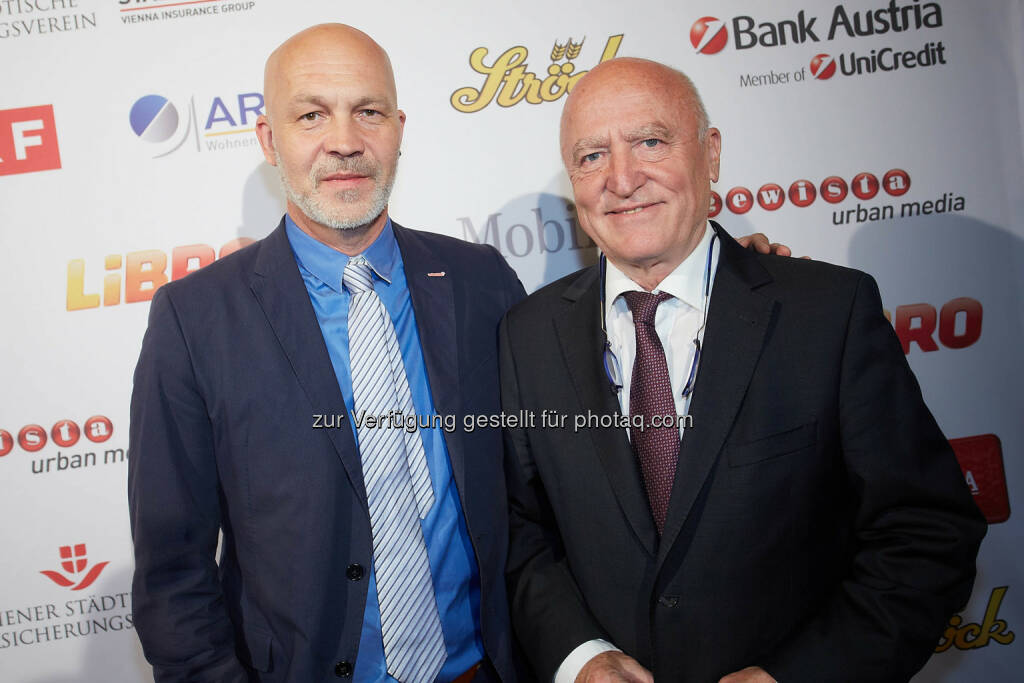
(713,145)
(266,137)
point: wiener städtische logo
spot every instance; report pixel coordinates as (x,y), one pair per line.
(508,82)
(148,11)
(75,572)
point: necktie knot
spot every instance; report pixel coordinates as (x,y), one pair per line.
(644,305)
(357,277)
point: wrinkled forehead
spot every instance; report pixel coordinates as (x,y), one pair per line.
(613,107)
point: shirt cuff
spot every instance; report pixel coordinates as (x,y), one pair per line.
(578,658)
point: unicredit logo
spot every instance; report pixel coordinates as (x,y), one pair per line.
(823,66)
(708,35)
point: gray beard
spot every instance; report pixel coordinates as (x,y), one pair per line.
(312,203)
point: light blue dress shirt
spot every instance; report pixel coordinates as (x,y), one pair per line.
(452,560)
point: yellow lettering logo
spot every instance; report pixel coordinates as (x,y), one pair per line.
(972,636)
(509,83)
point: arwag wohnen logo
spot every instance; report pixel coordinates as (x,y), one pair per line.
(74,562)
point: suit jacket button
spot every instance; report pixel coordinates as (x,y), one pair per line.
(668,601)
(354,572)
(343,669)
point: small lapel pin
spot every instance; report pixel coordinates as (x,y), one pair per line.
(437,274)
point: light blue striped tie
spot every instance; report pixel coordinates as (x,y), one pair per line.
(398,489)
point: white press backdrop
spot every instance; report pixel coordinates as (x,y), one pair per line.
(127,154)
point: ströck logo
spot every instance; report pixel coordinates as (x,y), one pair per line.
(823,67)
(708,35)
(74,562)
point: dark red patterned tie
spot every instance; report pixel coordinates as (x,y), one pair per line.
(650,393)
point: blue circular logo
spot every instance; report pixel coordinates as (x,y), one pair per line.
(153,118)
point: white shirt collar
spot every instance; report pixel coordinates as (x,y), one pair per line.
(685,282)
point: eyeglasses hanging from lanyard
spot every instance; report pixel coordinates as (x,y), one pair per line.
(611,363)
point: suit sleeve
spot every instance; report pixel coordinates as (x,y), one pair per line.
(549,614)
(173,497)
(917,530)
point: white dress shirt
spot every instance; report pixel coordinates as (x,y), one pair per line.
(677,323)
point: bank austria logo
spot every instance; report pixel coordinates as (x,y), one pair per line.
(508,82)
(74,562)
(708,35)
(165,126)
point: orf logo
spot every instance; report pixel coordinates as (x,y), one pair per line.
(28,140)
(156,120)
(823,67)
(74,562)
(708,35)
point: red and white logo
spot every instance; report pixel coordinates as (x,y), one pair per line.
(802,193)
(716,204)
(28,140)
(708,35)
(74,562)
(770,196)
(896,182)
(739,200)
(64,433)
(833,189)
(981,460)
(823,67)
(864,185)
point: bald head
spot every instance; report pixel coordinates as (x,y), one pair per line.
(610,78)
(300,56)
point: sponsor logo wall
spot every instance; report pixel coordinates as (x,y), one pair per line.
(881,135)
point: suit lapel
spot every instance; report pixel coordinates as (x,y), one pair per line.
(280,291)
(433,299)
(579,334)
(738,321)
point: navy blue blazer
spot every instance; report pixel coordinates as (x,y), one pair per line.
(232,372)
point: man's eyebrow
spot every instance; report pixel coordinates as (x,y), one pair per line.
(651,130)
(588,143)
(308,98)
(301,98)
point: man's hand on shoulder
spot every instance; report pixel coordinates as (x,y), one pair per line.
(759,241)
(752,674)
(614,667)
